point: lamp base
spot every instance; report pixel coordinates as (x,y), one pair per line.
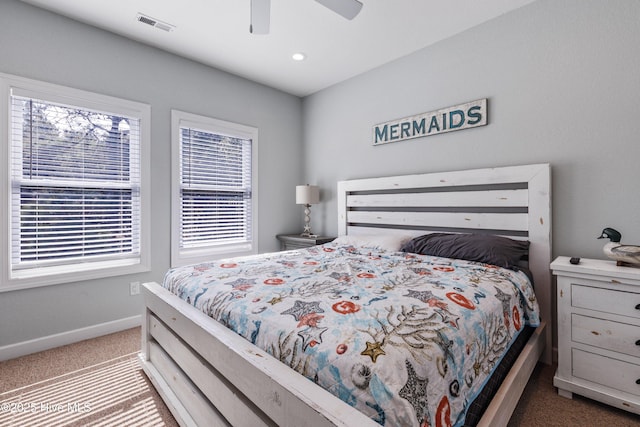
(307,222)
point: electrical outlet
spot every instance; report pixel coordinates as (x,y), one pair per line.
(134,288)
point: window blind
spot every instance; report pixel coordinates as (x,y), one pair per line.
(215,189)
(75,184)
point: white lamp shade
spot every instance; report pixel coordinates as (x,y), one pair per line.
(307,194)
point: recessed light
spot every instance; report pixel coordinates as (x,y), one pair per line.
(299,56)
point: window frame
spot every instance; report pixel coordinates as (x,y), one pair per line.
(181,256)
(82,270)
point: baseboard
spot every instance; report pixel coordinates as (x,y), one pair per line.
(23,348)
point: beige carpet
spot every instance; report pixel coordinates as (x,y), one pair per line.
(96,382)
(541,406)
(99,383)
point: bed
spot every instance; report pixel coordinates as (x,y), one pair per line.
(209,375)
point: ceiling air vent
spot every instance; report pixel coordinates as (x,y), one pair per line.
(155,23)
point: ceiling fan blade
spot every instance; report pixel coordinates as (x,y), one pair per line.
(347,8)
(260,11)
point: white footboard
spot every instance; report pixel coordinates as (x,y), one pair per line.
(209,375)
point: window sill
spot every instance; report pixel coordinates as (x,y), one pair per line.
(35,277)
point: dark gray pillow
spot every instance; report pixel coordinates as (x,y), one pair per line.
(486,248)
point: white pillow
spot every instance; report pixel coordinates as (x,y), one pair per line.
(389,242)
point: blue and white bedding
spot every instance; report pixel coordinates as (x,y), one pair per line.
(406,339)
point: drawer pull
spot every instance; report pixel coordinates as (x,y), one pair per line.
(638,381)
(638,307)
(638,342)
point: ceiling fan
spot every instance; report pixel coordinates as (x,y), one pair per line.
(260,11)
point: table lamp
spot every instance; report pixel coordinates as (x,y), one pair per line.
(307,195)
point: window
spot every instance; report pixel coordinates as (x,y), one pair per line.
(213,197)
(77,165)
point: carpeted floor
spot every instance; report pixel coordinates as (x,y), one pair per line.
(541,406)
(96,382)
(99,382)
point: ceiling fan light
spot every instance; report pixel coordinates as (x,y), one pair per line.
(347,8)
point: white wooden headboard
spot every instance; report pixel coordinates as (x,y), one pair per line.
(513,201)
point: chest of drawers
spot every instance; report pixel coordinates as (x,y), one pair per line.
(598,307)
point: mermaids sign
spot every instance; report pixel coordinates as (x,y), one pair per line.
(463,116)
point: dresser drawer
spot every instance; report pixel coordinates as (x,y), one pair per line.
(614,336)
(606,300)
(609,372)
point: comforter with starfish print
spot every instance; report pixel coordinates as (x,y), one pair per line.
(407,339)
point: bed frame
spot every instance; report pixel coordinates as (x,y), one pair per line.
(208,375)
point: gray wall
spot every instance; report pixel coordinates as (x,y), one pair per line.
(563,87)
(44,46)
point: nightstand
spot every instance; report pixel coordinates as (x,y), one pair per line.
(296,241)
(598,332)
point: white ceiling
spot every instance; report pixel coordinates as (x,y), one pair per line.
(216,33)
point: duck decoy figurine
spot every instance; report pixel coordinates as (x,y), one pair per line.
(623,254)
